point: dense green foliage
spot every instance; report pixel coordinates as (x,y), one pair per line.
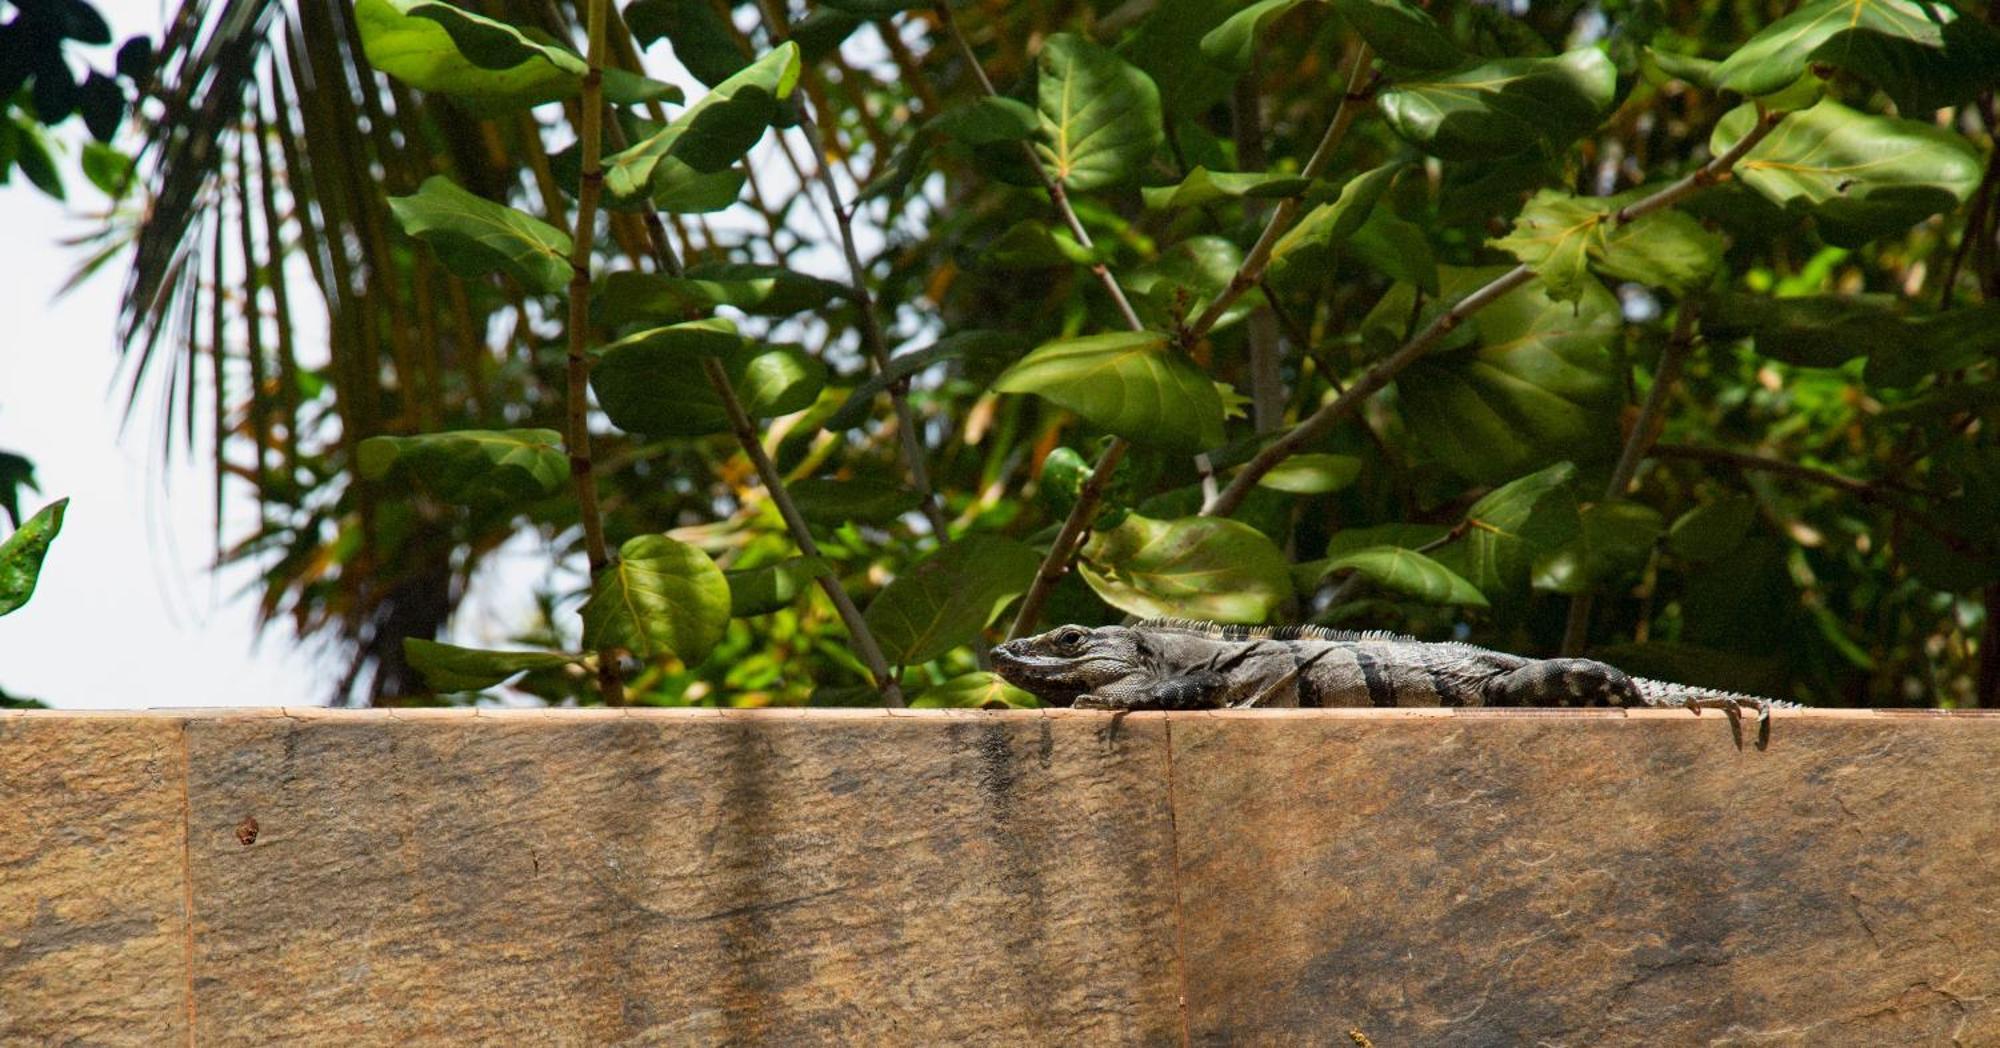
(1659,330)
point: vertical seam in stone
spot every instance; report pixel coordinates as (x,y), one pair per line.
(1174,856)
(187,882)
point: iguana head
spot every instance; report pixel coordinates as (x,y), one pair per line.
(1068,661)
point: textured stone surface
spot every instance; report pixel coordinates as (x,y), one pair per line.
(1578,880)
(703,878)
(576,877)
(92,927)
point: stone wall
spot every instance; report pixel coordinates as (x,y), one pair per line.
(861,877)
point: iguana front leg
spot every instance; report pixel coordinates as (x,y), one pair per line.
(1202,689)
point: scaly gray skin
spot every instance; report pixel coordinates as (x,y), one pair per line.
(1182,665)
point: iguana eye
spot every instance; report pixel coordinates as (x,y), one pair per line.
(1071,637)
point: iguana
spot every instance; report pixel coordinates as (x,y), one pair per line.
(1175,664)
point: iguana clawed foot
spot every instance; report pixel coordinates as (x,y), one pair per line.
(1733,706)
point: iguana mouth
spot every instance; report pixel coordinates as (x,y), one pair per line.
(1035,673)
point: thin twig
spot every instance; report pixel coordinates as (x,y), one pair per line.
(576,436)
(1056,563)
(1576,631)
(1315,426)
(1251,272)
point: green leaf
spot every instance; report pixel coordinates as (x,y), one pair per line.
(760,591)
(1612,540)
(492,44)
(467,466)
(1559,234)
(1186,278)
(833,503)
(975,691)
(854,411)
(654,382)
(1167,46)
(1398,248)
(1924,54)
(714,132)
(1809,330)
(1509,526)
(947,598)
(661,597)
(108,169)
(702,39)
(1540,387)
(1331,223)
(21,555)
(1403,34)
(1100,117)
(16,473)
(987,121)
(1409,573)
(1134,384)
(1504,107)
(1710,531)
(1312,474)
(474,236)
(1858,176)
(1195,567)
(1232,45)
(626,297)
(1202,186)
(420,52)
(448,667)
(679,189)
(1032,244)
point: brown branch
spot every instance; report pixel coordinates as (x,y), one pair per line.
(576,433)
(1576,631)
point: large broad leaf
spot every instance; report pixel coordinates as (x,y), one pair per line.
(474,236)
(419,52)
(1924,54)
(662,597)
(1202,186)
(1312,474)
(1859,176)
(472,465)
(771,291)
(1506,106)
(1233,44)
(1809,330)
(760,591)
(1712,530)
(1511,525)
(21,555)
(988,121)
(702,39)
(1561,235)
(945,599)
(1167,46)
(833,503)
(448,667)
(714,132)
(1331,223)
(1185,279)
(1409,573)
(1402,33)
(1539,387)
(1134,384)
(654,382)
(975,691)
(1612,540)
(1100,117)
(1195,567)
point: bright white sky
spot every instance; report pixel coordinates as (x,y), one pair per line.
(127,614)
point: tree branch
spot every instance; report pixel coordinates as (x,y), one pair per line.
(576,434)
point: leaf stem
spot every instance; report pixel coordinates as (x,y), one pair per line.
(1576,631)
(576,434)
